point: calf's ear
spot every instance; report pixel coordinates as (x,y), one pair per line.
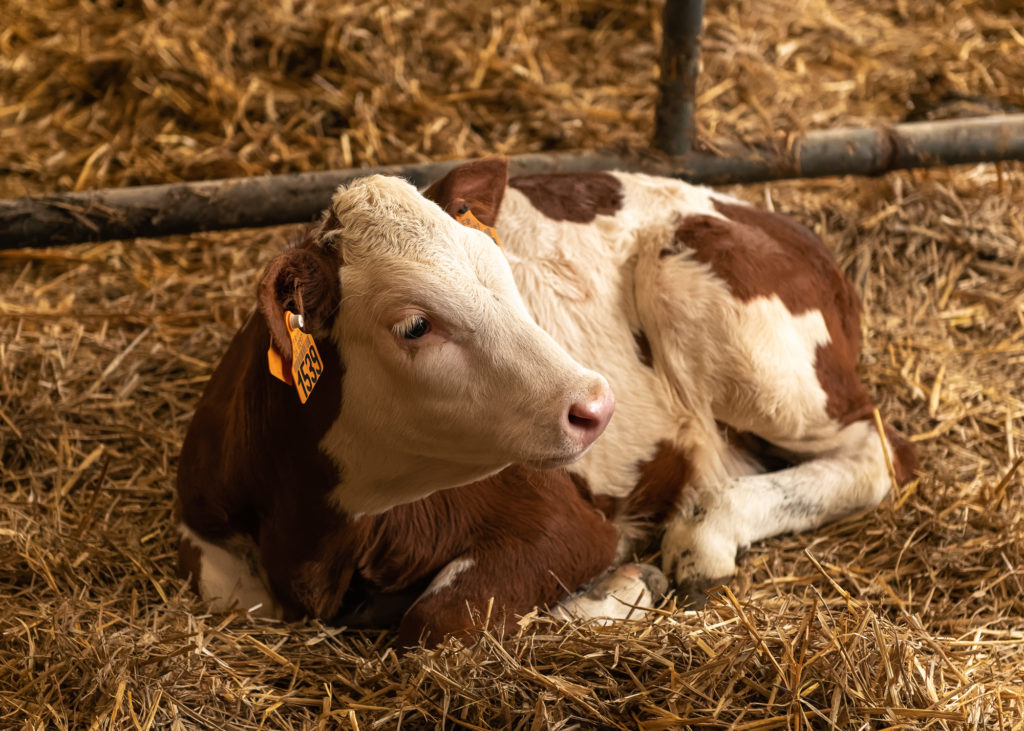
(302,280)
(479,185)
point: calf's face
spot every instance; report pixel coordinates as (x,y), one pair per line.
(447,377)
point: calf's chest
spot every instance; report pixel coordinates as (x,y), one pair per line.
(576,280)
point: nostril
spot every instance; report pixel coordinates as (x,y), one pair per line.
(577,417)
(585,420)
(591,417)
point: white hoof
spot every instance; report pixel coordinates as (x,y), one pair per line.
(627,592)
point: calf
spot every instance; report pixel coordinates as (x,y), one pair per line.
(446,457)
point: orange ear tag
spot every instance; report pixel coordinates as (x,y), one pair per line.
(306,365)
(468,219)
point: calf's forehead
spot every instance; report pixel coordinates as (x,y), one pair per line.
(381,216)
(385,285)
(401,250)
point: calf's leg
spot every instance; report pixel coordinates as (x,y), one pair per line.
(714,522)
(510,578)
(226,573)
(754,326)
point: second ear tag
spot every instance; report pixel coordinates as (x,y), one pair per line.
(306,363)
(277,367)
(466,218)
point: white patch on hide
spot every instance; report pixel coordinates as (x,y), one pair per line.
(229,579)
(446,576)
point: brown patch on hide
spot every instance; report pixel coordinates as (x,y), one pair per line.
(606,505)
(760,254)
(660,482)
(904,456)
(530,535)
(250,466)
(575,197)
(659,485)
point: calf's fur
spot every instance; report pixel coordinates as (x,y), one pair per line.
(728,334)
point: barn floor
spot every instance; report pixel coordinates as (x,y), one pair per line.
(909,616)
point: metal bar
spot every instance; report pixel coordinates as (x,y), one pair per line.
(866,151)
(158,210)
(677,88)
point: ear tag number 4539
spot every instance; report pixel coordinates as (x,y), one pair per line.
(306,365)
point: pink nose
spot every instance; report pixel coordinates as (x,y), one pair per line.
(585,420)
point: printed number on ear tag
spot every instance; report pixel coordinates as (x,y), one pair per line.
(306,366)
(306,363)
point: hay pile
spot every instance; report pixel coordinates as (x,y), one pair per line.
(124,92)
(909,616)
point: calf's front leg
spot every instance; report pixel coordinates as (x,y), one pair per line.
(713,523)
(495,584)
(511,576)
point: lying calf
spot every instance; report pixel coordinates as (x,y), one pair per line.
(436,448)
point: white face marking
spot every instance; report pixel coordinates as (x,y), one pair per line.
(228,579)
(447,377)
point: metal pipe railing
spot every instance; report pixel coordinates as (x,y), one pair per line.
(213,205)
(867,151)
(677,88)
(158,210)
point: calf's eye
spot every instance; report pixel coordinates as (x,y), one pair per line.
(413,328)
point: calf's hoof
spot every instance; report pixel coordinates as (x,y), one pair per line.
(627,591)
(653,578)
(693,592)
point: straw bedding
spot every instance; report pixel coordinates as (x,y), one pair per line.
(908,616)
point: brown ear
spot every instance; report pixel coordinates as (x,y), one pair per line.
(479,185)
(302,280)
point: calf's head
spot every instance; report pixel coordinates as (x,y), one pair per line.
(447,378)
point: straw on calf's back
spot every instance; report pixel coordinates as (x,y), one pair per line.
(392,484)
